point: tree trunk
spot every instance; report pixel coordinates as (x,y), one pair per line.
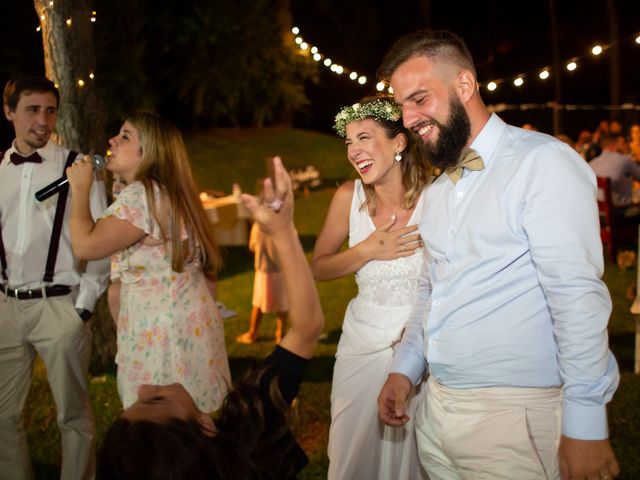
(69,58)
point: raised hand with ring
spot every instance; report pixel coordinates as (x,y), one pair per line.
(276,204)
(273,209)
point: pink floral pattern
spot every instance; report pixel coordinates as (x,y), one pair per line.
(168,327)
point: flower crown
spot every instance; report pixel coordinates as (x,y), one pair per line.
(377,109)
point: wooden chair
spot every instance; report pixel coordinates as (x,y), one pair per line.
(614,230)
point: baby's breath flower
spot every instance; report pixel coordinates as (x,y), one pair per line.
(378,109)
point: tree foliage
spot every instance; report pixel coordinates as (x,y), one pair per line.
(229,62)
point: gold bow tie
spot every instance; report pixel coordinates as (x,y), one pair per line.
(469,159)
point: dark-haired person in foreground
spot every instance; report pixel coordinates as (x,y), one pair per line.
(512,313)
(164,435)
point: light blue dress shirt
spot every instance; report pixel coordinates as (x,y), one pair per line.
(511,293)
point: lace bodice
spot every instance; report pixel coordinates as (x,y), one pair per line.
(384,282)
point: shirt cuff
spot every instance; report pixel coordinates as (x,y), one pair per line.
(584,422)
(408,365)
(86,300)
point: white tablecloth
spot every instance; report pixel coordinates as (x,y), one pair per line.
(230,220)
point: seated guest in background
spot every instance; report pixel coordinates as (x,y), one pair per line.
(620,168)
(566,139)
(164,435)
(583,144)
(634,141)
(162,248)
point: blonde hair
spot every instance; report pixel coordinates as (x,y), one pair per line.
(165,165)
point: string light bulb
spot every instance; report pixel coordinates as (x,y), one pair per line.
(295,30)
(544,74)
(68,22)
(597,50)
(362,80)
(81,83)
(491,86)
(380,86)
(518,82)
(571,66)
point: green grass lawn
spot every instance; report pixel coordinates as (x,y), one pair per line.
(221,157)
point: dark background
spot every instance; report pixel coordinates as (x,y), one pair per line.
(506,38)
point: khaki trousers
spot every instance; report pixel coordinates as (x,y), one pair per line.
(52,328)
(489,433)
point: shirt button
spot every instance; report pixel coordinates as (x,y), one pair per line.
(460,194)
(436,303)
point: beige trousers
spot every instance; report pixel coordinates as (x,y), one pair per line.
(52,328)
(489,433)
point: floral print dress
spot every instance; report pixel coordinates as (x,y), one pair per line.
(168,327)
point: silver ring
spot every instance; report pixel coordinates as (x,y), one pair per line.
(276,205)
(404,246)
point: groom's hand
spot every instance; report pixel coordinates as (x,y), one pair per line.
(393,398)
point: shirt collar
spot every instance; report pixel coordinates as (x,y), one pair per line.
(486,141)
(42,151)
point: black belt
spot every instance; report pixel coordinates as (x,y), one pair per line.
(26,294)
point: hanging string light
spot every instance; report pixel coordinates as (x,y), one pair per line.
(336,68)
(571,65)
(69,23)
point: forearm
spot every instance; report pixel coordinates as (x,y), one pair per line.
(80,223)
(93,283)
(305,312)
(409,357)
(337,265)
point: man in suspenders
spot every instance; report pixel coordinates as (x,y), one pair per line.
(46,296)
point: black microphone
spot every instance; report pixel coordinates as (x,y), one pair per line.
(98,163)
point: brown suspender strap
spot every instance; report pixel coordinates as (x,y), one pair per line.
(57,225)
(3,256)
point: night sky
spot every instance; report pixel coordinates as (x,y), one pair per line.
(504,42)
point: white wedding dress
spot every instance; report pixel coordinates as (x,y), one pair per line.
(360,445)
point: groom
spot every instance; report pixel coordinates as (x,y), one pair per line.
(512,314)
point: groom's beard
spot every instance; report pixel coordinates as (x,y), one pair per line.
(452,137)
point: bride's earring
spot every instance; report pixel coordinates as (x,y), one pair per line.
(398,157)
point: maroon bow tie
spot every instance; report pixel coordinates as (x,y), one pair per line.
(17,159)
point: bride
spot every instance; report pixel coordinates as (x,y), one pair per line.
(378,214)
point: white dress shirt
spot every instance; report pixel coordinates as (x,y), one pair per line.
(27,224)
(511,293)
